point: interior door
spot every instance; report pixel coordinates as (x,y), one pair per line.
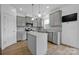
(9,33)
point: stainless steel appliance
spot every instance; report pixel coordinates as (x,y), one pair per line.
(28,28)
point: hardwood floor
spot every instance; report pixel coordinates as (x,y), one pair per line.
(21,48)
(0,51)
(61,50)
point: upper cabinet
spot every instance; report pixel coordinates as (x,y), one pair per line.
(20,21)
(55,18)
(28,19)
(55,22)
(37,22)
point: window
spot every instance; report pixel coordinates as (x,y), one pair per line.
(46,21)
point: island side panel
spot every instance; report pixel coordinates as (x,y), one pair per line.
(32,43)
(41,44)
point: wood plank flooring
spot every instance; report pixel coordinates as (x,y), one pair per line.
(61,50)
(0,51)
(21,48)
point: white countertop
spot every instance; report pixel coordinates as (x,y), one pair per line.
(36,33)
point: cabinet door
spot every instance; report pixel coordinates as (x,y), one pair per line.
(55,18)
(39,22)
(35,23)
(20,21)
(21,34)
(28,19)
(23,21)
(55,37)
(50,36)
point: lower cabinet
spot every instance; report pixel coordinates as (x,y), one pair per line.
(21,34)
(50,36)
(54,37)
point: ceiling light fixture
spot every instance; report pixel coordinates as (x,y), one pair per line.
(32,18)
(13,10)
(47,7)
(32,12)
(39,14)
(21,9)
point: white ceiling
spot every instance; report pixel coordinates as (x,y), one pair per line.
(27,8)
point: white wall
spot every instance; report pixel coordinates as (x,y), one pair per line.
(70,30)
(8,25)
(0,26)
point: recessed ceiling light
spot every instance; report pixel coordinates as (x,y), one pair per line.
(21,9)
(39,15)
(13,10)
(32,19)
(47,7)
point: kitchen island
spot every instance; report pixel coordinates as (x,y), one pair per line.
(37,42)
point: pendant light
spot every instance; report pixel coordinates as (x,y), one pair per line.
(39,14)
(32,12)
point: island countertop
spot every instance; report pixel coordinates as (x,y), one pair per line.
(37,33)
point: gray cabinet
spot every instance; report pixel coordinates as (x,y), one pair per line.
(28,19)
(20,21)
(21,34)
(37,22)
(54,37)
(50,36)
(55,24)
(55,18)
